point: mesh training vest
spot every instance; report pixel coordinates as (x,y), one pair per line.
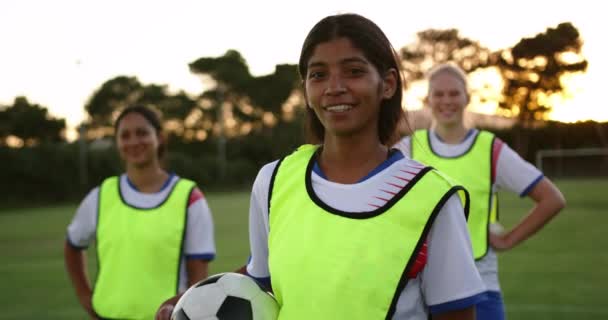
(330,264)
(473,170)
(138,252)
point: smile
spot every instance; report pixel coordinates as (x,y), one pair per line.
(339,108)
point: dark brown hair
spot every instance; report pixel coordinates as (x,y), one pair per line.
(369,38)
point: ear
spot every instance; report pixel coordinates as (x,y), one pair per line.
(389,84)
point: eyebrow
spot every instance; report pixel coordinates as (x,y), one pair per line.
(343,61)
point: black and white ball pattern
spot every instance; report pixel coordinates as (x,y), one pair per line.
(226,296)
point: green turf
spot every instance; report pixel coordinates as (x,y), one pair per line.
(559,274)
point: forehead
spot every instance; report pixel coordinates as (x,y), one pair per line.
(336,51)
(446,81)
(133,120)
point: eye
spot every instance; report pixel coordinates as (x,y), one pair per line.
(316,75)
(454,93)
(124,135)
(356,71)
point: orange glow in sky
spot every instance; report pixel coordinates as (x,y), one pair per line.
(56,53)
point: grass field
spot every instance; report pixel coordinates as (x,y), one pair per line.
(560,274)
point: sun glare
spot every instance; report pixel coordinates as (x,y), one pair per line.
(574,104)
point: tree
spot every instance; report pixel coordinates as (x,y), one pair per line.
(532,71)
(250,99)
(30,122)
(113,95)
(434,46)
(122,91)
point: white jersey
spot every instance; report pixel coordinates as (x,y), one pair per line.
(511,173)
(448,242)
(199,240)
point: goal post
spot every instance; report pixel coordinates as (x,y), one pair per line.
(586,162)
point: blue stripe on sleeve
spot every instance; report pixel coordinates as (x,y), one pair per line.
(458,304)
(264,282)
(531,185)
(201,256)
(73,245)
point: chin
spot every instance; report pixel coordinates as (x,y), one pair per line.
(140,163)
(451,121)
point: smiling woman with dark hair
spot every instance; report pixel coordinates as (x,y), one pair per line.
(153,230)
(346,227)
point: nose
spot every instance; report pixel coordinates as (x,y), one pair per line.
(335,85)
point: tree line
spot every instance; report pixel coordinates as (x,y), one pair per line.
(255,119)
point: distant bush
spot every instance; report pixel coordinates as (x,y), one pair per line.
(50,172)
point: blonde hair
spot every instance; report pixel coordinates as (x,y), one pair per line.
(450,68)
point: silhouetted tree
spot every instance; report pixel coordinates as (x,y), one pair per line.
(248,97)
(531,72)
(533,68)
(30,122)
(113,95)
(122,91)
(434,46)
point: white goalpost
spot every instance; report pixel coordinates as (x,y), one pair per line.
(588,158)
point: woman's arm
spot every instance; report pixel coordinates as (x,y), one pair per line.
(197,270)
(449,248)
(75,264)
(548,202)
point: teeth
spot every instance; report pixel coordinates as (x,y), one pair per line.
(339,108)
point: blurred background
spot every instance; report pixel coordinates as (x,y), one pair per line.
(224,76)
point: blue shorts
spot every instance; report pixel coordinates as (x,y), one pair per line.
(492,308)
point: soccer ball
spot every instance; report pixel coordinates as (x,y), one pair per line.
(226,296)
(496,228)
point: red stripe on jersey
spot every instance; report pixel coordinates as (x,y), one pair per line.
(396,185)
(419,263)
(389,192)
(412,173)
(402,179)
(495,154)
(383,199)
(195,195)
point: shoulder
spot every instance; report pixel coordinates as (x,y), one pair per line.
(403,141)
(264,176)
(403,145)
(93,193)
(110,179)
(195,194)
(89,202)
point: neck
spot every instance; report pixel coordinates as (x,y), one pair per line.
(347,160)
(452,134)
(148,179)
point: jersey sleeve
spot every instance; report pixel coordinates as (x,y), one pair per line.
(199,241)
(450,280)
(404,145)
(257,266)
(81,230)
(514,173)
